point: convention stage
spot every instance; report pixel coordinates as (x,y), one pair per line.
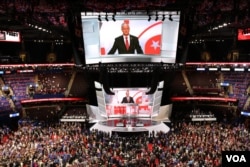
(131,125)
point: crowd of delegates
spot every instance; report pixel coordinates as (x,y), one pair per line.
(43,11)
(116,5)
(212,12)
(70,144)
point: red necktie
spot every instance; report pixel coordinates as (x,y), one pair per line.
(126,42)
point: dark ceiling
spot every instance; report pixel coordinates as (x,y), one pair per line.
(35,19)
(50,20)
(198,16)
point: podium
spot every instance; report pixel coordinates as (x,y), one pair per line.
(129,109)
(120,124)
(125,109)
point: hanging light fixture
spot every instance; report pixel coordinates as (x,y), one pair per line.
(163,17)
(149,17)
(106,17)
(99,18)
(170,18)
(113,17)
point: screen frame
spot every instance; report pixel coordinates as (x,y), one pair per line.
(170,31)
(106,109)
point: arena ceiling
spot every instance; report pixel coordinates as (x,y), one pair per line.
(49,20)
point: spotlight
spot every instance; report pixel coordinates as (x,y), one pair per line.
(106,18)
(99,18)
(170,18)
(149,17)
(156,17)
(163,17)
(113,18)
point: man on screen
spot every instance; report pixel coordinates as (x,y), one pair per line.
(126,43)
(128,98)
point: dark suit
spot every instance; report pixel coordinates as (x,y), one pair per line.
(126,100)
(119,45)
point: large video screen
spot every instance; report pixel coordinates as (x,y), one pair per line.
(148,40)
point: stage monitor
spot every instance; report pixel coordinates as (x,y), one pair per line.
(10,36)
(152,38)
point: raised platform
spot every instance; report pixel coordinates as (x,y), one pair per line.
(131,125)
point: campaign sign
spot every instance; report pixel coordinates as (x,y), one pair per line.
(235,158)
